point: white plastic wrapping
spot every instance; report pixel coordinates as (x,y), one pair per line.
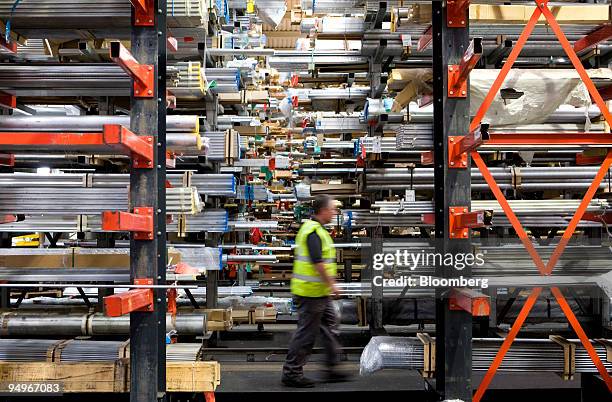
(383,352)
(543,92)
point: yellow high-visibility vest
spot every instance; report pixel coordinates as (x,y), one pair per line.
(305,280)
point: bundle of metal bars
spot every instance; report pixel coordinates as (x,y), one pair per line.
(185,80)
(327,25)
(227,80)
(174,123)
(92,79)
(101,18)
(209,184)
(222,145)
(540,213)
(336,7)
(295,60)
(524,179)
(525,355)
(372,43)
(88,201)
(75,350)
(210,220)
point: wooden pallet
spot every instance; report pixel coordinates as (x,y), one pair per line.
(106,377)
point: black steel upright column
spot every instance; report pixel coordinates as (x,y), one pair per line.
(452,188)
(147,188)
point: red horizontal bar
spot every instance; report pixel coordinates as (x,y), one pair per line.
(140,223)
(600,34)
(114,138)
(469,300)
(142,74)
(458,74)
(133,300)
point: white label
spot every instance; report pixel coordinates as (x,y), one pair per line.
(376,145)
(406,40)
(410,195)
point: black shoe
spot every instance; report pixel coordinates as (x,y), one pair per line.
(298,382)
(337,376)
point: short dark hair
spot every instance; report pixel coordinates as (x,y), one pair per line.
(320,201)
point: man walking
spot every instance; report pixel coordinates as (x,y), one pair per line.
(313,282)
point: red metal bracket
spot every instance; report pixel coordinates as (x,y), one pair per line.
(427,158)
(459,146)
(143,75)
(425,39)
(139,146)
(469,300)
(140,223)
(456,13)
(600,34)
(458,74)
(8,100)
(7,159)
(130,301)
(10,46)
(460,220)
(144,13)
(172,44)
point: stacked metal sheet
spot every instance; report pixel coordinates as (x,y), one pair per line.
(532,213)
(210,220)
(185,80)
(252,192)
(524,179)
(87,201)
(25,350)
(339,124)
(373,39)
(222,145)
(414,137)
(295,60)
(333,25)
(209,184)
(92,79)
(331,6)
(100,18)
(74,350)
(227,80)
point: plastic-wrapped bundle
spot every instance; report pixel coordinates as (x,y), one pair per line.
(384,352)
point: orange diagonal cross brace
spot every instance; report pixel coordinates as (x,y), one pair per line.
(541,9)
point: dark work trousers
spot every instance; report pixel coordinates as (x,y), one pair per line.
(314,315)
